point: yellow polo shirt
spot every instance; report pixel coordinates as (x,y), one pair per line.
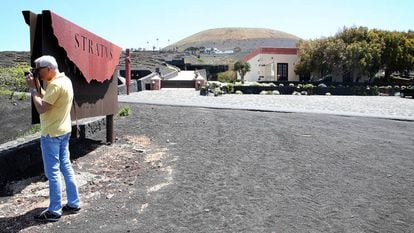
(59,94)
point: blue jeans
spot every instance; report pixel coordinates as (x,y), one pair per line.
(55,154)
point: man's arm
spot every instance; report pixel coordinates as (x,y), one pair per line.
(40,105)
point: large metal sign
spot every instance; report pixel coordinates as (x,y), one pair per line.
(87,59)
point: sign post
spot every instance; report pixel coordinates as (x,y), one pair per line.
(87,59)
(127,71)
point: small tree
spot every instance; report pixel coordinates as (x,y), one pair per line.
(242,68)
(227,77)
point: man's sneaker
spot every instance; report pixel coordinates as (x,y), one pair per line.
(70,210)
(47,216)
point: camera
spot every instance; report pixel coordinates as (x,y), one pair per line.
(33,72)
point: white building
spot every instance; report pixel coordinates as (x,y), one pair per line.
(272,64)
(188,75)
(212,51)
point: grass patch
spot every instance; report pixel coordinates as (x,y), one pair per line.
(35,128)
(23,96)
(5,92)
(125,111)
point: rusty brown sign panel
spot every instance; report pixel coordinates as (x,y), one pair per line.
(87,59)
(95,57)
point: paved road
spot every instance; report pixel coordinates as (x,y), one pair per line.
(186,169)
(392,107)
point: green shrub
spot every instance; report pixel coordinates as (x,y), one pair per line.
(229,88)
(23,96)
(372,90)
(308,89)
(12,78)
(227,77)
(308,86)
(35,128)
(125,111)
(217,91)
(360,90)
(4,91)
(213,85)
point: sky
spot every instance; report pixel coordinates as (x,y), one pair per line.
(133,23)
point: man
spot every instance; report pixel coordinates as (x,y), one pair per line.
(54,105)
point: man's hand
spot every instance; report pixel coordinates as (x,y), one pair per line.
(40,105)
(30,80)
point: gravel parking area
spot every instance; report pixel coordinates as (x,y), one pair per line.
(392,107)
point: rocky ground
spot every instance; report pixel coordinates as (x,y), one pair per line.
(10,58)
(188,169)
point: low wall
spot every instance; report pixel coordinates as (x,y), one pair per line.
(22,158)
(177,84)
(20,161)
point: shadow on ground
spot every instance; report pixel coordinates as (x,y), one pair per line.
(18,223)
(25,161)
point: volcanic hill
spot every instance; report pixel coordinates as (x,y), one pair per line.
(247,39)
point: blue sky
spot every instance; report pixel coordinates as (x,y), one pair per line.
(131,23)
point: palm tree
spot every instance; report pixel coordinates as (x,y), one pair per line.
(242,68)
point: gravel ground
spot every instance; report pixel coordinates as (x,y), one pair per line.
(182,169)
(15,116)
(392,107)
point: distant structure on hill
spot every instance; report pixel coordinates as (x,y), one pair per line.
(235,39)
